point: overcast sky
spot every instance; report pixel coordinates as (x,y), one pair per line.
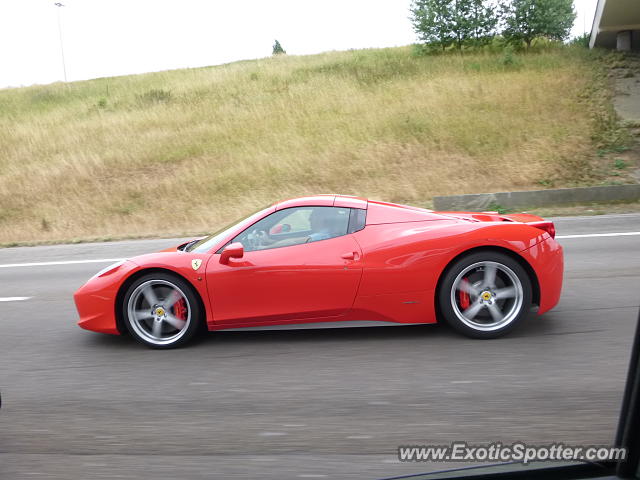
(116,37)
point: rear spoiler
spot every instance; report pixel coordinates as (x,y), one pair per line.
(545,225)
(533,220)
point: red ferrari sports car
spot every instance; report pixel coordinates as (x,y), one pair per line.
(334,260)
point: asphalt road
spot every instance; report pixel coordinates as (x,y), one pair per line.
(304,404)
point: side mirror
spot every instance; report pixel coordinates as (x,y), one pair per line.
(280,228)
(234,250)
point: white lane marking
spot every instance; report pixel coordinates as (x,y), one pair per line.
(61,262)
(589,218)
(590,235)
(13,299)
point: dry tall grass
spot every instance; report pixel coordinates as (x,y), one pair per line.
(187,150)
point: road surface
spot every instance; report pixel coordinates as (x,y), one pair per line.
(303,404)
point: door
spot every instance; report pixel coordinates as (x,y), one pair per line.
(299,264)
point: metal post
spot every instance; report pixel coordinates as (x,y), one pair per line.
(64,68)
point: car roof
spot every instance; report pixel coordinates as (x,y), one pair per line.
(378,212)
(328,200)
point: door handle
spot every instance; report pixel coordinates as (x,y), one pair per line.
(349,256)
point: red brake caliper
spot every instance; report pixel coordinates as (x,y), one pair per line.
(180,309)
(464,296)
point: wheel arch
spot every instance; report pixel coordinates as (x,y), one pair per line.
(535,285)
(140,273)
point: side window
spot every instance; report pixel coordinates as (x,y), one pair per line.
(293,226)
(296,221)
(357,220)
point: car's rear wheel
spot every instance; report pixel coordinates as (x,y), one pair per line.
(161,310)
(485,294)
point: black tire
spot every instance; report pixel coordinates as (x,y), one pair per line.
(160,327)
(478,315)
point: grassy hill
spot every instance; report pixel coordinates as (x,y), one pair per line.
(187,150)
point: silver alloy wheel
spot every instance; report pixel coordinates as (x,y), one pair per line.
(152,312)
(494,294)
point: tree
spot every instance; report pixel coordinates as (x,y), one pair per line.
(443,22)
(277,49)
(433,21)
(474,21)
(525,20)
(484,20)
(461,25)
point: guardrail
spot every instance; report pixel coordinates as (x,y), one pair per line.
(539,198)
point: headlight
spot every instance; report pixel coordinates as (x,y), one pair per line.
(113,266)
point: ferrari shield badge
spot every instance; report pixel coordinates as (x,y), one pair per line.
(195,263)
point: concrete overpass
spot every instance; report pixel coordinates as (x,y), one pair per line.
(616,25)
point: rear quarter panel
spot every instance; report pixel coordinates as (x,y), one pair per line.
(402,262)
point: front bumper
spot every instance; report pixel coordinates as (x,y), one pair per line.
(96,299)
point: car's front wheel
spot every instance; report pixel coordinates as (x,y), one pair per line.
(161,310)
(485,294)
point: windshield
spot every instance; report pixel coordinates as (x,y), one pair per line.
(214,239)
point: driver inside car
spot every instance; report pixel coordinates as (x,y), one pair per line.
(322,225)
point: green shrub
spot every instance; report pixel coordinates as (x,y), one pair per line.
(154,96)
(509,60)
(580,41)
